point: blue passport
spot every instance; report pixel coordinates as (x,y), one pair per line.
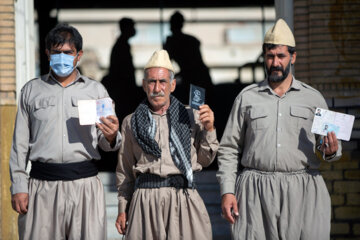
(196,96)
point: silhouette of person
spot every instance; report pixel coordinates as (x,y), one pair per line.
(185,50)
(121,64)
(120,82)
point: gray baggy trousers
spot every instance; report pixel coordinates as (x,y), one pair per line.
(282,205)
(64,210)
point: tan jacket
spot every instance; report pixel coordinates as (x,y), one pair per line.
(132,160)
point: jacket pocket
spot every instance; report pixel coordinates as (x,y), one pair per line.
(44,108)
(302,118)
(259,118)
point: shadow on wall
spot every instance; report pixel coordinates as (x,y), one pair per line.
(184,49)
(120,84)
(120,80)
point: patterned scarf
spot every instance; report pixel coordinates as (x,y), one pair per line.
(144,129)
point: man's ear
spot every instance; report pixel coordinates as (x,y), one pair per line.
(143,85)
(293,59)
(47,54)
(173,85)
(79,55)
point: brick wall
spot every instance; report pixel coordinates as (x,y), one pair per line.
(8,218)
(7,53)
(343,179)
(327,34)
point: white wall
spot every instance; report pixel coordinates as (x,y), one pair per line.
(25,43)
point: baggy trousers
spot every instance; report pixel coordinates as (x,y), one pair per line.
(64,210)
(168,213)
(282,205)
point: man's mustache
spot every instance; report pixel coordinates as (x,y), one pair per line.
(272,68)
(159,94)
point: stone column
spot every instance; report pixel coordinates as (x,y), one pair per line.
(285,10)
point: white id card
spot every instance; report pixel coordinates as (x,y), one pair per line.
(329,121)
(90,111)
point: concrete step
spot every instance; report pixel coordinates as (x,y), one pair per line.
(111,214)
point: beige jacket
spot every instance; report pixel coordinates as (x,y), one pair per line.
(132,160)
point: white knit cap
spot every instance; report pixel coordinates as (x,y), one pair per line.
(160,58)
(280,34)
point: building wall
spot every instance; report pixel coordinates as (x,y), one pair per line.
(8,218)
(327,34)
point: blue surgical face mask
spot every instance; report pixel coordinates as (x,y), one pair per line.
(62,64)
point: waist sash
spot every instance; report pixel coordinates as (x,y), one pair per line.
(63,171)
(148,180)
(301,171)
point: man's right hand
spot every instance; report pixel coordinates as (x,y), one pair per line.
(121,223)
(19,202)
(229,207)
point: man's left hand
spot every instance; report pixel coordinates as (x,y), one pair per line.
(110,127)
(206,117)
(330,144)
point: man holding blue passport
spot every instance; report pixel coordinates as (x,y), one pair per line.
(164,144)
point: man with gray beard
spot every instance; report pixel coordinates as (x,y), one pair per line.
(268,169)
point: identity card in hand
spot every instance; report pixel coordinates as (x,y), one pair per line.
(104,108)
(196,96)
(90,111)
(329,121)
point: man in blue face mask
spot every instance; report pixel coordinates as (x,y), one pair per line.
(63,198)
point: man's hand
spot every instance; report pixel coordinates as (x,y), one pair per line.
(110,127)
(229,207)
(330,144)
(206,117)
(120,223)
(19,202)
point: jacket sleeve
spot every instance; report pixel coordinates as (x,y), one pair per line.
(20,148)
(230,149)
(105,145)
(125,178)
(205,142)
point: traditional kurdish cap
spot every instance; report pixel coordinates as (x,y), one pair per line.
(280,34)
(160,58)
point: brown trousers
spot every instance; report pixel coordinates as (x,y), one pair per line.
(64,210)
(168,213)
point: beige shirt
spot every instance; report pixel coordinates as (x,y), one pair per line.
(47,126)
(132,160)
(270,133)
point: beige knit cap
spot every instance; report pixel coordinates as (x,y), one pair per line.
(280,34)
(160,58)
